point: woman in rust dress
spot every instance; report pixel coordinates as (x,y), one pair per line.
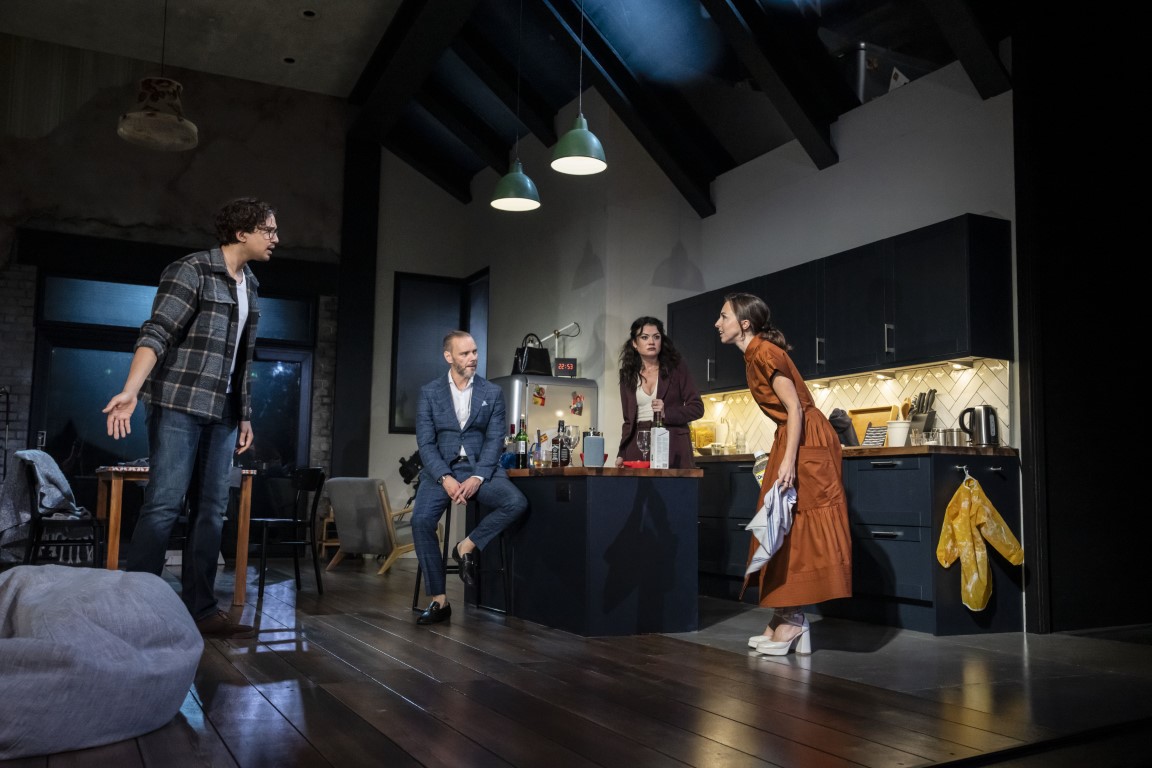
(815,562)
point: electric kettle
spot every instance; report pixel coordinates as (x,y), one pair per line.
(981,426)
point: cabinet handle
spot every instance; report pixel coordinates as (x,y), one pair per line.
(820,350)
(889,345)
(708,368)
(885,464)
(886,534)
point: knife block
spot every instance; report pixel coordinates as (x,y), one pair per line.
(924,421)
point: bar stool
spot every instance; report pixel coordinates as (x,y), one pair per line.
(450,565)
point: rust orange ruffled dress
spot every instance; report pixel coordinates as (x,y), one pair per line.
(815,562)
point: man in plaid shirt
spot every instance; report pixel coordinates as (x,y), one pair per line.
(191,369)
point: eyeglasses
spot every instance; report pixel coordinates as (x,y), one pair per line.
(268,232)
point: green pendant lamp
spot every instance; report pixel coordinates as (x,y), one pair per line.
(515,191)
(579,152)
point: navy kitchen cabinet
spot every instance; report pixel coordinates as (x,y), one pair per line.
(937,293)
(691,323)
(896,507)
(952,291)
(795,297)
(728,495)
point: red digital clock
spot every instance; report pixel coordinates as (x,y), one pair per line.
(566,366)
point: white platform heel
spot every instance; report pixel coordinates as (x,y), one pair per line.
(802,642)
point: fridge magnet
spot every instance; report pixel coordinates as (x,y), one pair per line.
(539,394)
(577,407)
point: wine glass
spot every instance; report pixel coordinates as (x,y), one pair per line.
(643,441)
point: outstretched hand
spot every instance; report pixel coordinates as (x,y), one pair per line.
(119,410)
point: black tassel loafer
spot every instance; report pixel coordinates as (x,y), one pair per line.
(467,563)
(435,613)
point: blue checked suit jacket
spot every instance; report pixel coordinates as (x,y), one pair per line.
(439,434)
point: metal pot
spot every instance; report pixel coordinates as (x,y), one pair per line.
(954,437)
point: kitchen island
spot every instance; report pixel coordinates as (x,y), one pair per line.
(602,551)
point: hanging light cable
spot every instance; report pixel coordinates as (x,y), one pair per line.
(579,152)
(157,121)
(515,191)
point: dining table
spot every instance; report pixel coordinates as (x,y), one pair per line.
(109,508)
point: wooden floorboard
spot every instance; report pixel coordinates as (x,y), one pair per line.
(348,679)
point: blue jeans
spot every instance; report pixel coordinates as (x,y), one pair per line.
(179,443)
(498,494)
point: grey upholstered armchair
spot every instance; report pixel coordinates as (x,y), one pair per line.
(365,521)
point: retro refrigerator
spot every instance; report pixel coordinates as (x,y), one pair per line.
(544,400)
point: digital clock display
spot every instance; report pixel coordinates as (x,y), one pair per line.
(566,366)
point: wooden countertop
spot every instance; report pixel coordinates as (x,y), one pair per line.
(603,472)
(856,451)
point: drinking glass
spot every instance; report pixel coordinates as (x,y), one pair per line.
(643,440)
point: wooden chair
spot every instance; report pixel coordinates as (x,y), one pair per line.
(366,522)
(299,525)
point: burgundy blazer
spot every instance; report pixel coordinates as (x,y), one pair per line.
(682,404)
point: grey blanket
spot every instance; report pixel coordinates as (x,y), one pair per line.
(56,500)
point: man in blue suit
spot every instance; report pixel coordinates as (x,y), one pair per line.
(460,433)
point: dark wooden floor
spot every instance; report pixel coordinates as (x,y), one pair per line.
(349,680)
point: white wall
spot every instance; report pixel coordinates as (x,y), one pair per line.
(605,249)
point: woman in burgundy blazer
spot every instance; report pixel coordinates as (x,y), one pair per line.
(653,379)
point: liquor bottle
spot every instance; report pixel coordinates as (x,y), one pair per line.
(565,446)
(559,450)
(522,444)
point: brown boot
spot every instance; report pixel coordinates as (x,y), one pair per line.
(220,624)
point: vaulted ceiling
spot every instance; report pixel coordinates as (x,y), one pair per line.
(450,85)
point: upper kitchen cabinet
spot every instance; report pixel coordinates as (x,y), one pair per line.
(715,367)
(937,293)
(857,294)
(953,290)
(795,297)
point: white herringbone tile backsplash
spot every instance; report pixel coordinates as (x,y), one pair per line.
(987,382)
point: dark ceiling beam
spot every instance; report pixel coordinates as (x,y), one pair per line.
(447,178)
(672,134)
(978,54)
(499,74)
(785,57)
(404,59)
(471,131)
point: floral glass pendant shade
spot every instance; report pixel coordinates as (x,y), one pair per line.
(157,121)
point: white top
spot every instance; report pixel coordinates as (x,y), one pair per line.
(242,305)
(643,404)
(462,402)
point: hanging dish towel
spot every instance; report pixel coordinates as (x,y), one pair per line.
(770,525)
(969,521)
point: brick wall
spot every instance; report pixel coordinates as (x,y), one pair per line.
(17,341)
(323,382)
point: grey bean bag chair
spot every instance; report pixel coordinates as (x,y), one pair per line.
(89,657)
